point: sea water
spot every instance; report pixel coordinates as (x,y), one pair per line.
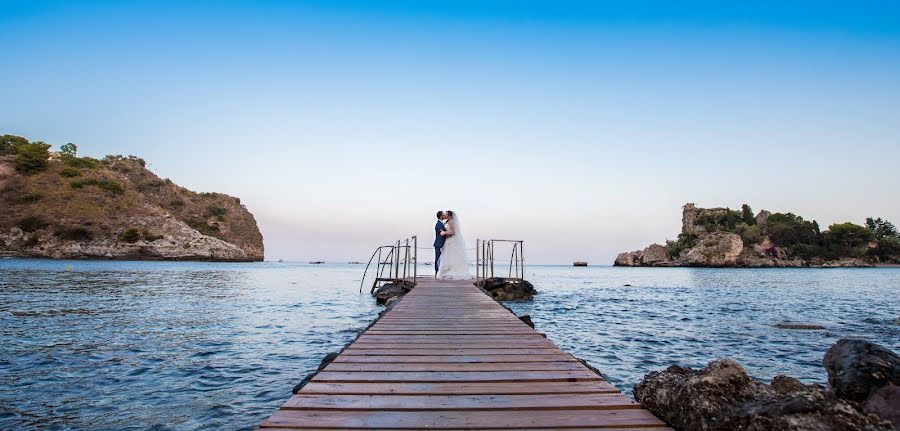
(100,345)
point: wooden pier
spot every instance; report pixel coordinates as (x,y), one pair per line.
(448,357)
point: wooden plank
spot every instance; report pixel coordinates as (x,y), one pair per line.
(448,352)
(463,388)
(456,376)
(460,402)
(360,419)
(483,369)
(555,357)
(461,367)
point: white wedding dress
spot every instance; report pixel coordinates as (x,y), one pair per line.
(453,264)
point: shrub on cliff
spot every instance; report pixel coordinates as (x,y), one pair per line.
(788,230)
(108,185)
(131,235)
(10,143)
(74,234)
(847,239)
(750,234)
(881,229)
(684,242)
(747,215)
(69,172)
(31,158)
(31,224)
(720,221)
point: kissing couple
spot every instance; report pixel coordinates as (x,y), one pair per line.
(450,248)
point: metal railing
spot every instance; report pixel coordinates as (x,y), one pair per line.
(395,262)
(485,261)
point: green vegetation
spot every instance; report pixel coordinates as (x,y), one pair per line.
(74,234)
(684,242)
(726,220)
(203,227)
(131,235)
(217,212)
(33,157)
(878,240)
(70,172)
(30,198)
(747,215)
(148,236)
(881,229)
(108,185)
(31,224)
(70,150)
(9,144)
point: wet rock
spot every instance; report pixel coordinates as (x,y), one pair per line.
(885,402)
(503,290)
(697,400)
(527,319)
(392,290)
(868,374)
(325,361)
(809,409)
(857,368)
(723,397)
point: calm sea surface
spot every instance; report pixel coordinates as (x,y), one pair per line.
(154,345)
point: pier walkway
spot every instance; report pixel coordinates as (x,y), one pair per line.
(448,357)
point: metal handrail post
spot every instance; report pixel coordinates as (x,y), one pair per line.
(522,256)
(415,258)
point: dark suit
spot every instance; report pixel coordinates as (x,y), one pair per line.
(438,243)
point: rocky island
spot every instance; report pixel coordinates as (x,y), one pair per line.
(721,237)
(62,206)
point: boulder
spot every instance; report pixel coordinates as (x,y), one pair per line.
(858,368)
(629,258)
(654,254)
(723,397)
(716,249)
(504,290)
(392,290)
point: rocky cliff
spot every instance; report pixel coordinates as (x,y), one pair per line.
(721,237)
(59,205)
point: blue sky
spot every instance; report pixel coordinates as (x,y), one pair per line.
(580,127)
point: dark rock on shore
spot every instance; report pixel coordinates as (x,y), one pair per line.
(503,290)
(527,319)
(723,397)
(856,368)
(868,374)
(392,290)
(329,358)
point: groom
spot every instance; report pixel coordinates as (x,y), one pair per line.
(440,233)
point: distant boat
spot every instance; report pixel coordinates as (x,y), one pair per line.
(427,263)
(317,262)
(580,263)
(355,263)
(280,260)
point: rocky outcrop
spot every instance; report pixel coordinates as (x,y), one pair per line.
(503,290)
(115,208)
(720,237)
(723,397)
(716,249)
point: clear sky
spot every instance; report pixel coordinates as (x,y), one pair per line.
(580,127)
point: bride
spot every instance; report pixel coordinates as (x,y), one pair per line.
(453,264)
